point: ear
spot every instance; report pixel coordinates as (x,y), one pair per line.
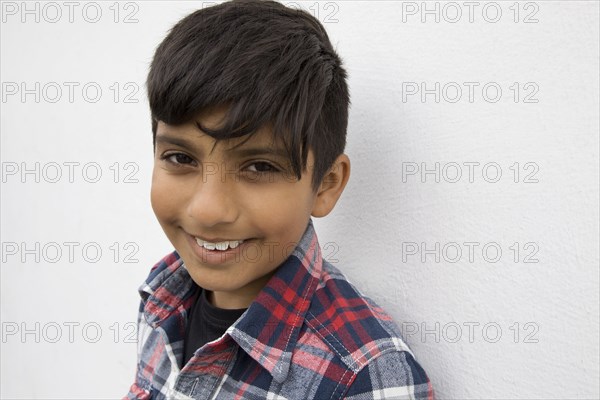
(332,186)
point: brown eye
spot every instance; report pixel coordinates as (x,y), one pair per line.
(261,167)
(177,159)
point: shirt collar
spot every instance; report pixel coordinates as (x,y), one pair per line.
(165,290)
(269,329)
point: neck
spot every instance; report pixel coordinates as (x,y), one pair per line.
(239,298)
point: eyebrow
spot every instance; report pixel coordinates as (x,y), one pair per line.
(237,151)
(161,138)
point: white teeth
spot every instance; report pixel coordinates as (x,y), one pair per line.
(222,246)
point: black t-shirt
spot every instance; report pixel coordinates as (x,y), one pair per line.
(205,324)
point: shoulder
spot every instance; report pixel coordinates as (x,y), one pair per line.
(392,375)
(364,338)
(353,325)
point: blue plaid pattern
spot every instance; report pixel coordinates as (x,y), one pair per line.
(309,334)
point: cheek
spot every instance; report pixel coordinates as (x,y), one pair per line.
(162,198)
(282,212)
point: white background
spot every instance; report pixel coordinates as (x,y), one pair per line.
(483,325)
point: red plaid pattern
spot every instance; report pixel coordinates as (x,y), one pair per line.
(309,334)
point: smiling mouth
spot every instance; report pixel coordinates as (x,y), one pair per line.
(221,246)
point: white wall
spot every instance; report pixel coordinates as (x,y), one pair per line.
(547,311)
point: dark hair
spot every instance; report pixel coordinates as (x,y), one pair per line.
(269,64)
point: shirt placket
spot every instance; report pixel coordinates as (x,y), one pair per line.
(202,375)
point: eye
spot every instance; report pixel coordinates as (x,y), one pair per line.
(177,159)
(262,167)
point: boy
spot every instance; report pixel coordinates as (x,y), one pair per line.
(249,107)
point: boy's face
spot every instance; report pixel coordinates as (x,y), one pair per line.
(233,214)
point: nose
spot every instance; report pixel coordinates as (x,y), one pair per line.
(214,201)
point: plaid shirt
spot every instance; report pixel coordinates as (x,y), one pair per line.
(309,334)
